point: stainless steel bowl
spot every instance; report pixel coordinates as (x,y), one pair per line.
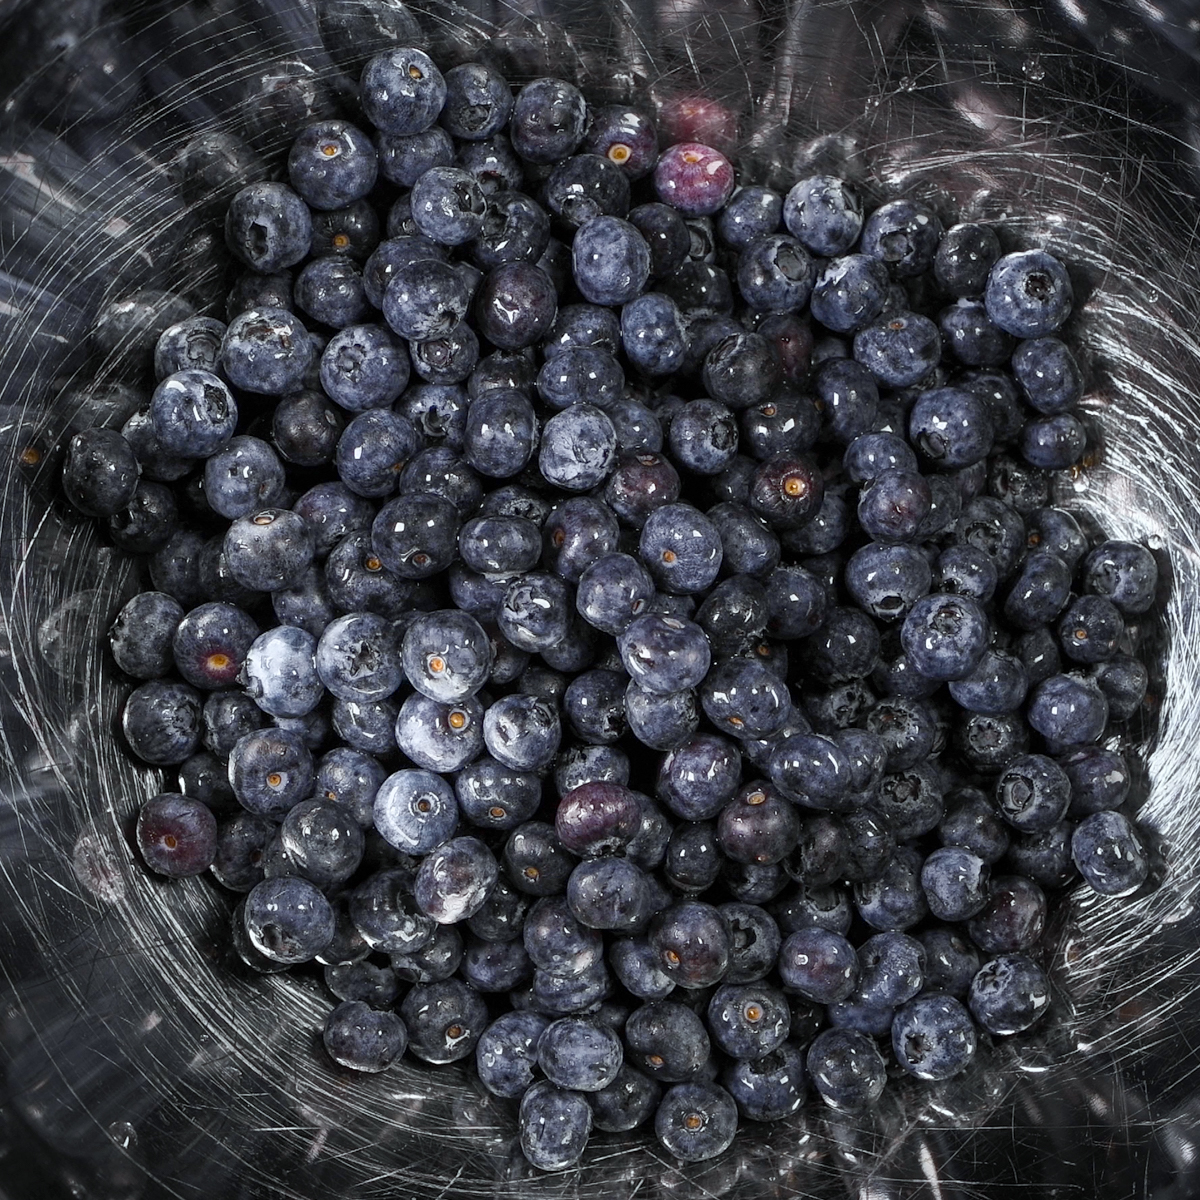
(140,1059)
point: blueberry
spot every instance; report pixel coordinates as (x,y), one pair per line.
(769,1088)
(997,685)
(740,370)
(425,299)
(639,484)
(268,549)
(445,1020)
(667,1041)
(594,705)
(951,427)
(241,842)
(894,899)
(1110,854)
(448,205)
(548,120)
(663,654)
(904,234)
(1028,294)
(611,261)
(535,612)
(696,780)
(445,360)
(265,350)
(500,434)
(176,835)
(446,655)
(352,231)
(415,810)
(824,213)
(1053,443)
(906,727)
(704,437)
(357,658)
(554,1124)
(575,534)
(612,591)
(964,570)
(945,636)
(161,722)
(305,429)
(1045,857)
(1068,709)
(351,779)
(364,366)
(752,212)
(661,722)
(692,942)
(849,292)
(757,826)
(515,305)
(506,1053)
(911,801)
(754,941)
(868,455)
(933,1037)
(681,549)
(847,1069)
(322,842)
(666,234)
(972,822)
(1014,917)
(900,348)
(583,326)
(404,158)
(191,344)
(280,672)
(783,425)
(887,580)
(416,535)
(557,942)
(331,164)
(590,764)
(193,414)
(502,917)
(522,732)
(586,186)
(968,333)
(819,965)
(579,1054)
(393,255)
(1124,681)
(268,227)
(386,915)
(437,959)
(1048,374)
(493,162)
(288,920)
(964,258)
(437,735)
(454,879)
(797,603)
(951,962)
(364,1038)
(478,102)
(1124,573)
(869,845)
(624,136)
(734,613)
(581,374)
(243,476)
(955,882)
(845,647)
(402,91)
(141,636)
(989,743)
(355,580)
(1100,780)
(694,179)
(745,698)
(565,995)
(1009,994)
(775,274)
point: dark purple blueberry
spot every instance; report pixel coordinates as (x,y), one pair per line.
(693,178)
(176,835)
(598,818)
(1013,918)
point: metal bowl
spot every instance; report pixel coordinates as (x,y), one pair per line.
(140,1058)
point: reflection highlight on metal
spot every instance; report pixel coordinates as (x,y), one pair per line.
(140,1057)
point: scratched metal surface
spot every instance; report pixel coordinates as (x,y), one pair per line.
(137,1060)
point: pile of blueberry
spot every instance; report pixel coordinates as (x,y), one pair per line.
(533,464)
